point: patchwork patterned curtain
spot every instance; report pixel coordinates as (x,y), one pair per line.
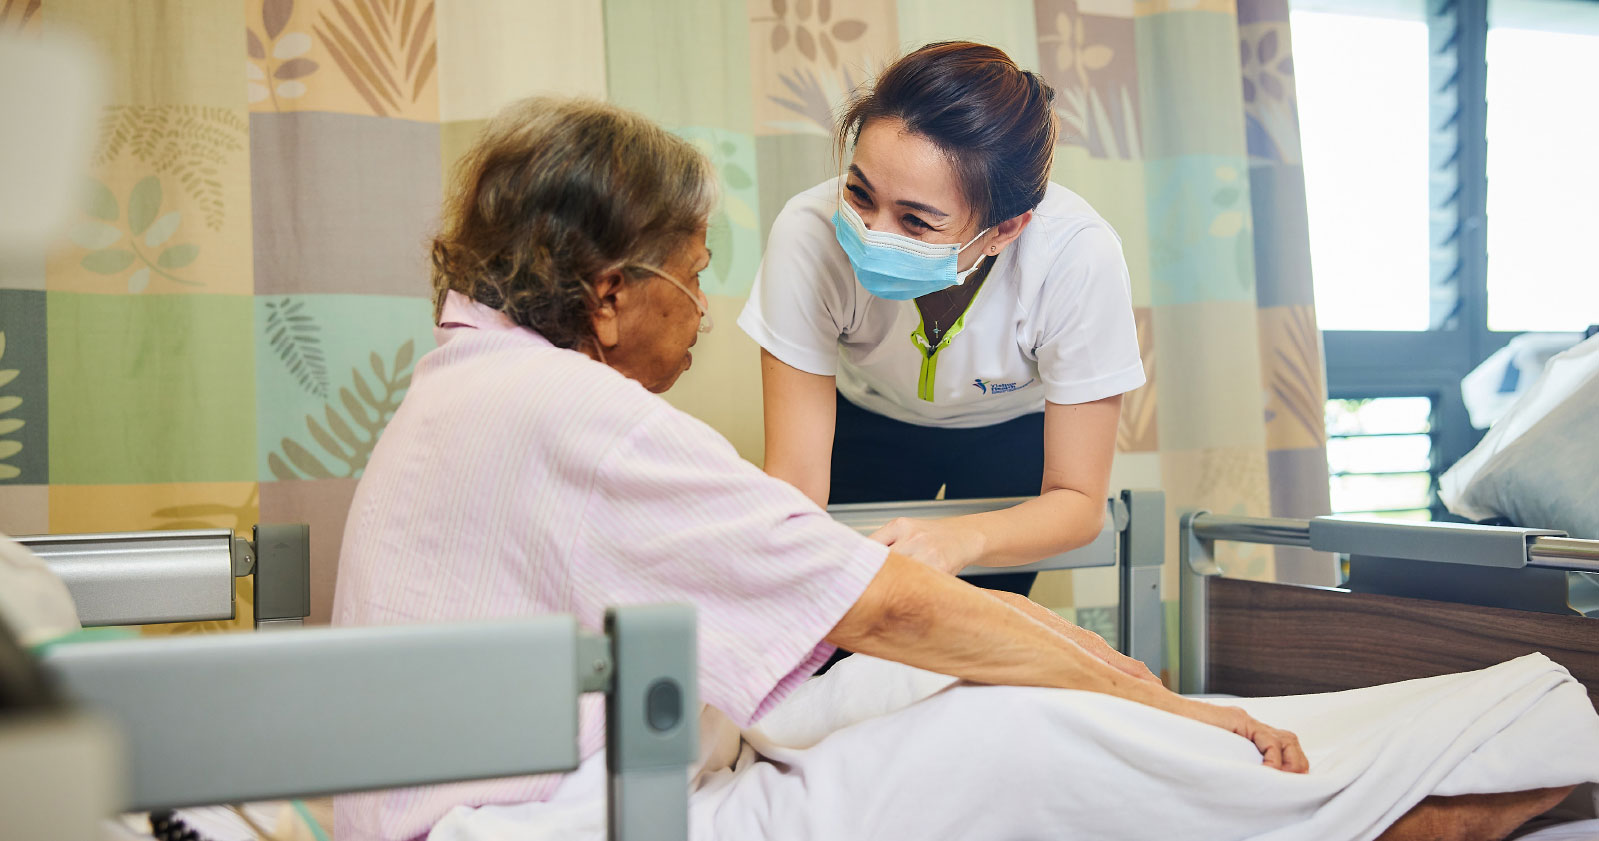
(239,307)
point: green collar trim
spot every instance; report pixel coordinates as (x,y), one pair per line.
(928,377)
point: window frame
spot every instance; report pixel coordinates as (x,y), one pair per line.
(1361,363)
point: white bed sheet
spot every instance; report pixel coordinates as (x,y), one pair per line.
(879,750)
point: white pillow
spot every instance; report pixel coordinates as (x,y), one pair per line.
(1538,467)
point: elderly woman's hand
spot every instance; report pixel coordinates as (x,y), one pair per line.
(945,545)
(1278,748)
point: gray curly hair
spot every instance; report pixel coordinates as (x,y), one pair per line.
(556,192)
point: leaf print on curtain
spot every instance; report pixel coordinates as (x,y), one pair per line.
(1295,393)
(813,98)
(1090,61)
(292,333)
(1137,432)
(277,58)
(189,142)
(338,439)
(209,515)
(8,446)
(110,254)
(808,37)
(1271,110)
(387,50)
(1201,240)
(733,235)
(213,515)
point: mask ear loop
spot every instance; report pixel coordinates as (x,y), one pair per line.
(960,277)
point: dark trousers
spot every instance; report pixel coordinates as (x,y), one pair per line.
(878,459)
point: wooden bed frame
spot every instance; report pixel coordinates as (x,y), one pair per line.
(1283,639)
(1252,638)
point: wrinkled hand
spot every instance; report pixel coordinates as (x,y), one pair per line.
(1134,667)
(1278,748)
(940,544)
(1095,644)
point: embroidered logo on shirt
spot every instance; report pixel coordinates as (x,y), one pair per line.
(992,388)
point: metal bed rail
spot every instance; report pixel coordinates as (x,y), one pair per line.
(227,718)
(1496,566)
(142,578)
(1133,539)
(1461,543)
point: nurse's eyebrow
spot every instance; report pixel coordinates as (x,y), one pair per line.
(925,208)
(862,176)
(913,205)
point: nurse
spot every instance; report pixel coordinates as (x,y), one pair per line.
(942,316)
(532,468)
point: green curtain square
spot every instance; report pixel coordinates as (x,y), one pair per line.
(150,389)
(790,164)
(24,403)
(1006,24)
(1190,86)
(1115,189)
(683,64)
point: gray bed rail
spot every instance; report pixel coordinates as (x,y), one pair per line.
(1491,566)
(1133,538)
(237,717)
(142,578)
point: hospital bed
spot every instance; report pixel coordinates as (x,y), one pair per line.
(141,578)
(241,717)
(1132,539)
(1422,599)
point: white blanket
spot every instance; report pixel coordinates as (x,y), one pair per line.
(878,750)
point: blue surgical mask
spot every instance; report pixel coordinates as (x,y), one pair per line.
(897,267)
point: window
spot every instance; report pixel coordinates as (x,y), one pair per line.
(1379,453)
(1543,177)
(1503,166)
(1363,130)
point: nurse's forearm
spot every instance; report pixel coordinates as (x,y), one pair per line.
(1057,521)
(799,414)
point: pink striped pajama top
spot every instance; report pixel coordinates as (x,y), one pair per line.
(518,478)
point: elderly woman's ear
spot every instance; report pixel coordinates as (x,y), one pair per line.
(605,315)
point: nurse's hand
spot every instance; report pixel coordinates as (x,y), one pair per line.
(945,545)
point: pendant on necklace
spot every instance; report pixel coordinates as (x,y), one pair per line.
(935,331)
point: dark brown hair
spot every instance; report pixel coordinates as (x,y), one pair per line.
(991,118)
(556,192)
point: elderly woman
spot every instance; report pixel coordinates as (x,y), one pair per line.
(532,468)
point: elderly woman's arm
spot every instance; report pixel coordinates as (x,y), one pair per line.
(916,615)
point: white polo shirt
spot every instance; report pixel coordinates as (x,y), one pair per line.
(1053,321)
